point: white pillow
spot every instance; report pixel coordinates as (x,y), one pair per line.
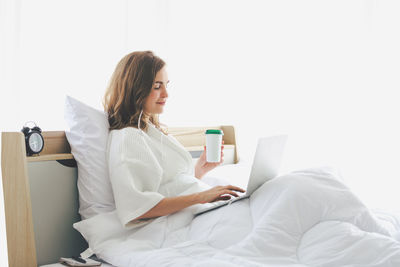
(100,228)
(87,136)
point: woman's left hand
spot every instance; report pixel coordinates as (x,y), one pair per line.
(202,166)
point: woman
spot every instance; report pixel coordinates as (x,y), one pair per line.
(150,172)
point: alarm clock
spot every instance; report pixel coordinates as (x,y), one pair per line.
(34,141)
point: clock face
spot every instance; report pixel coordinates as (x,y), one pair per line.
(35,142)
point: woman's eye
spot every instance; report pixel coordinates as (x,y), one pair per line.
(157,87)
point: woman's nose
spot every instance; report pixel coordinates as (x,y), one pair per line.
(165,92)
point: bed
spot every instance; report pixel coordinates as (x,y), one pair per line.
(302,218)
(41,196)
(41,204)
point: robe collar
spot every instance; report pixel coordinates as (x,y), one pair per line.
(169,141)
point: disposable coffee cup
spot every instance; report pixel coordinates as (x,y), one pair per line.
(213,145)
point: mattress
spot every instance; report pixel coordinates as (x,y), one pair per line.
(61,265)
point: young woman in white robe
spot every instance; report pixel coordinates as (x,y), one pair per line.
(151,173)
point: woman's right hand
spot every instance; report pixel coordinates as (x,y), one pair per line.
(219,193)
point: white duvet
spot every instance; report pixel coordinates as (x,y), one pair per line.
(305,218)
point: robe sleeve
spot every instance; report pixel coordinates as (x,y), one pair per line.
(135,176)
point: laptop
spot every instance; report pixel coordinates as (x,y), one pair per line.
(266,164)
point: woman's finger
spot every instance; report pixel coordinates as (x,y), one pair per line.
(235,188)
(225,197)
(230,192)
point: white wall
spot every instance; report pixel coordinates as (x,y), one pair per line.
(324,72)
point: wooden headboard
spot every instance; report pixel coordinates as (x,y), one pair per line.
(41,196)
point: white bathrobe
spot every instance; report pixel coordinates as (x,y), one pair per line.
(144,168)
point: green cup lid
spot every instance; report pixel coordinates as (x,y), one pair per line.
(211,131)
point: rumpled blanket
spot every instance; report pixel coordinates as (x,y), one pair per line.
(304,218)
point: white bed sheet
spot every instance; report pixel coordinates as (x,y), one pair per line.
(305,218)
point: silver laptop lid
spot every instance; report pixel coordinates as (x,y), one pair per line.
(267,161)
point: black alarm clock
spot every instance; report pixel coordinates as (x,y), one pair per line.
(34,141)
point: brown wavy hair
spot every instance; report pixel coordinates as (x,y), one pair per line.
(128,89)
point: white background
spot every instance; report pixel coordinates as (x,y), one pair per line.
(323,72)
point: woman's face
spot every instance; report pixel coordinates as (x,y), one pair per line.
(157,98)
